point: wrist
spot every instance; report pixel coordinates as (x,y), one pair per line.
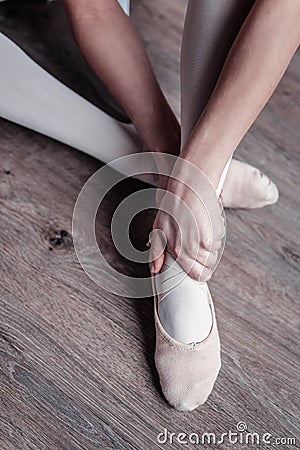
(211,163)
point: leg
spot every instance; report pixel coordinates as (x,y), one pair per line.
(38,101)
(112,47)
(185,311)
(212,142)
(210,29)
(31,97)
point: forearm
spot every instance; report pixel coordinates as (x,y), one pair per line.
(256,62)
(113,49)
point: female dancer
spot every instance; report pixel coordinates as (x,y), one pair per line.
(233,55)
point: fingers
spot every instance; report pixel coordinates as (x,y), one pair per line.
(157,241)
(197,262)
(200,268)
(157,264)
(198,259)
(207,259)
(216,246)
(212,232)
(195,270)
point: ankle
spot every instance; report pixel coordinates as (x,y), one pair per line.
(165,136)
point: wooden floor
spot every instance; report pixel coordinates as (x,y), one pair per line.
(76,363)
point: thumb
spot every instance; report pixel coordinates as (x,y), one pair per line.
(157,250)
(156,264)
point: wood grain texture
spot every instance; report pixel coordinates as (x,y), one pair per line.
(76,363)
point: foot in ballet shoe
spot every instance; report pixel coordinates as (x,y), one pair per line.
(187,371)
(247,187)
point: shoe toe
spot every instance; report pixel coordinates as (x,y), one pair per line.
(187,394)
(195,396)
(273,194)
(187,376)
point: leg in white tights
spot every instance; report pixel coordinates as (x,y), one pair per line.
(32,97)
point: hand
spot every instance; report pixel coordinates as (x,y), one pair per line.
(189,223)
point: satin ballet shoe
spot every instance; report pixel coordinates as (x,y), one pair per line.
(187,372)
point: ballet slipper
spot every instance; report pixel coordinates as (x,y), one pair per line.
(187,354)
(187,372)
(247,187)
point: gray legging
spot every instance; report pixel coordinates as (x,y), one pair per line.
(33,98)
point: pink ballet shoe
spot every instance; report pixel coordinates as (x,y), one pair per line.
(187,372)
